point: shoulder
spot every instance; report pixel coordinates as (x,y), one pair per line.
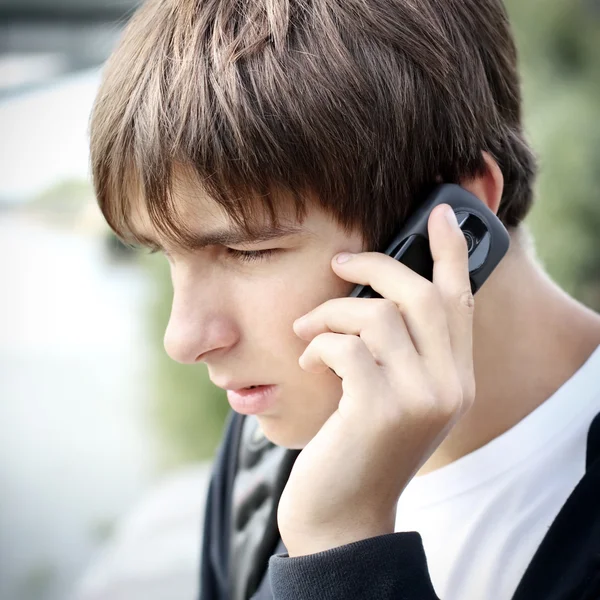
(567,558)
(593,443)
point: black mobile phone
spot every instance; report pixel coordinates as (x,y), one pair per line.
(487,238)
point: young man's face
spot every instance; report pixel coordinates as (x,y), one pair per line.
(235,313)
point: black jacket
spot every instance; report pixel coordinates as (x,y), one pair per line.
(244,558)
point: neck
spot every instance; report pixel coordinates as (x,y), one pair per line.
(529,337)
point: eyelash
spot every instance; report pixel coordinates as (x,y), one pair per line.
(251,255)
(243,255)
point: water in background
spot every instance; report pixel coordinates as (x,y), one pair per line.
(76,448)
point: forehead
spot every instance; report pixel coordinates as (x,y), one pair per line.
(198,220)
(188,204)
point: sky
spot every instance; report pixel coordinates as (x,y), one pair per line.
(44,135)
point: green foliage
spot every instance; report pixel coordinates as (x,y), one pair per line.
(64,199)
(559,44)
(37,582)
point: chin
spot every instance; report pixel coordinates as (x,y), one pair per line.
(295,424)
(291,436)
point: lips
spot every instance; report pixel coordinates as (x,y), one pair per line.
(249,388)
(239,386)
(253,400)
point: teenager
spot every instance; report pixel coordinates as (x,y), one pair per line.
(420,445)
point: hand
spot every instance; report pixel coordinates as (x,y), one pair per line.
(406,364)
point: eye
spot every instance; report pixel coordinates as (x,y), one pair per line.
(250,255)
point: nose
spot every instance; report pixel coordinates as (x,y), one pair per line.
(197,330)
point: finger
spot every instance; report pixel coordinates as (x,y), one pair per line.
(377,321)
(417,298)
(451,278)
(347,356)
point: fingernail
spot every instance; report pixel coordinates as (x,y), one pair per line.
(300,362)
(298,325)
(451,216)
(299,321)
(343,257)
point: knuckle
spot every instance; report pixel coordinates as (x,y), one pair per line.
(324,307)
(466,301)
(319,340)
(395,412)
(385,309)
(428,296)
(451,399)
(436,405)
(319,343)
(428,403)
(354,346)
(424,400)
(469,391)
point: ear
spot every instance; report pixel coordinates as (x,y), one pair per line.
(489,186)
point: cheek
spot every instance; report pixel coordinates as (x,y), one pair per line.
(312,286)
(271,305)
(275,308)
(268,308)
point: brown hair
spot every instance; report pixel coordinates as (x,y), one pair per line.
(360,104)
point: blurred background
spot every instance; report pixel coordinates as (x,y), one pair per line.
(105,444)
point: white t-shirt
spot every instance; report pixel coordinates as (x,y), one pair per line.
(483,517)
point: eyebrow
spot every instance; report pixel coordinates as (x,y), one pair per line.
(235,236)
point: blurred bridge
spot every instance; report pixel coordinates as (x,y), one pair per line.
(41,40)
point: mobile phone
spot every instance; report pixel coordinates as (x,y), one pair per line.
(487,238)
